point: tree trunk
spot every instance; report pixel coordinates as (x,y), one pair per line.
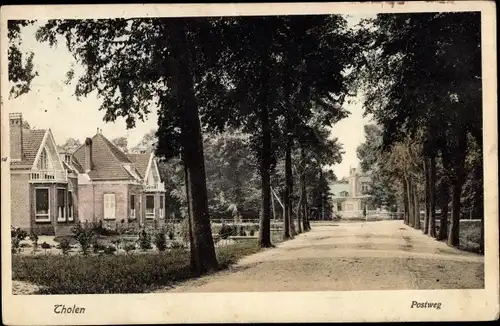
(299,211)
(265,167)
(445,201)
(405,202)
(411,210)
(304,203)
(432,197)
(481,239)
(287,229)
(454,230)
(416,223)
(196,188)
(479,202)
(192,248)
(425,230)
(443,225)
(457,183)
(303,188)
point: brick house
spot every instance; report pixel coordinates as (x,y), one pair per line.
(44,189)
(121,190)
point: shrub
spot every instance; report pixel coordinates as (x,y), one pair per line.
(113,274)
(128,247)
(17,235)
(84,235)
(45,246)
(64,245)
(99,229)
(144,240)
(227,231)
(160,241)
(97,246)
(109,250)
(171,235)
(116,243)
(34,241)
(177,245)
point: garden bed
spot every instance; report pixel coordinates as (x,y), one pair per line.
(134,273)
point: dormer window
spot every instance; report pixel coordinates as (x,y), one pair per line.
(344,193)
(67,158)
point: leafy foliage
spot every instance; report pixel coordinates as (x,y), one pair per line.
(64,245)
(70,146)
(84,234)
(160,241)
(17,235)
(144,240)
(116,273)
(121,143)
(21,69)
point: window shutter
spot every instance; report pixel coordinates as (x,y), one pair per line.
(109,206)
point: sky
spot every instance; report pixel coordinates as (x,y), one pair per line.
(51,104)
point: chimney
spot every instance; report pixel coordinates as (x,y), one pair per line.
(16,136)
(88,155)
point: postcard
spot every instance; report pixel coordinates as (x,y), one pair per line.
(278,162)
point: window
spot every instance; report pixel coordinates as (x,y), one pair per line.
(344,193)
(43,163)
(61,204)
(67,158)
(339,207)
(150,207)
(70,206)
(42,208)
(162,210)
(132,206)
(364,187)
(109,206)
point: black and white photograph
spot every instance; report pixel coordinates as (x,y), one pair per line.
(239,156)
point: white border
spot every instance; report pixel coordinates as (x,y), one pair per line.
(457,305)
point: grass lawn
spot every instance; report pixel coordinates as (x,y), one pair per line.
(137,273)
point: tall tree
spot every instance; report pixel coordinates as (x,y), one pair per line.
(136,64)
(412,91)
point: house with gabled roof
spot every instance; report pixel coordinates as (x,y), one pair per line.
(118,189)
(349,197)
(44,190)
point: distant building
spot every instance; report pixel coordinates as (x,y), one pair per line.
(349,197)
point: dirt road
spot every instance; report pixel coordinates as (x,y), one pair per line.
(385,255)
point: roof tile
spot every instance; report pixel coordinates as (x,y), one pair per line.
(108,161)
(141,162)
(32,139)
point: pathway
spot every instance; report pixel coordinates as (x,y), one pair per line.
(349,256)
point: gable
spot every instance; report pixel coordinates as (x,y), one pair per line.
(337,188)
(49,147)
(153,174)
